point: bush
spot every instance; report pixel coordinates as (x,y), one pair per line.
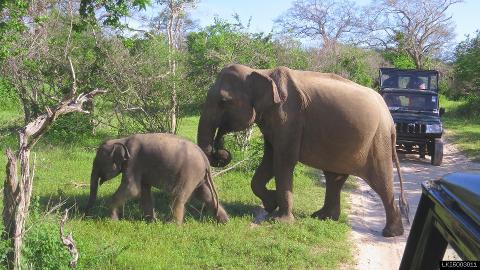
(70,128)
(356,64)
(8,97)
(42,248)
(470,108)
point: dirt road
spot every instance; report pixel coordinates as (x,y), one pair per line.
(367,216)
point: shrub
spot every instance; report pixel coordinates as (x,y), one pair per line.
(8,97)
(42,248)
(70,128)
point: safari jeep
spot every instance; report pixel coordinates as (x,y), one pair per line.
(412,98)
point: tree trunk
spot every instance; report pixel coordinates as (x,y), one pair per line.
(17,194)
(172,65)
(17,200)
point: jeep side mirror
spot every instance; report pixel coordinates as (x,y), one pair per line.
(442,111)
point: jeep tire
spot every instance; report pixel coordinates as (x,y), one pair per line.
(437,152)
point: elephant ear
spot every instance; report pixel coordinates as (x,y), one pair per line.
(265,92)
(120,152)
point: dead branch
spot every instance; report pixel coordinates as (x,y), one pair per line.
(80,185)
(73,90)
(38,127)
(229,168)
(68,241)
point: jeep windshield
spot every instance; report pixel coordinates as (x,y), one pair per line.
(411,102)
(408,79)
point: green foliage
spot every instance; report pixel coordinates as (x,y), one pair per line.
(42,247)
(70,128)
(399,59)
(462,119)
(354,64)
(467,66)
(224,43)
(114,9)
(8,97)
(289,53)
(11,26)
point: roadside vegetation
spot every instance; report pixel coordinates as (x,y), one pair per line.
(462,97)
(462,121)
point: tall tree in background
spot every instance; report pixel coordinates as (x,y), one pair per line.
(331,21)
(420,28)
(174,16)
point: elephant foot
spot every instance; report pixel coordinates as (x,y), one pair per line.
(222,218)
(396,229)
(327,213)
(114,216)
(284,218)
(269,202)
(150,219)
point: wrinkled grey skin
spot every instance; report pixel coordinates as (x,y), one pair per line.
(321,120)
(156,160)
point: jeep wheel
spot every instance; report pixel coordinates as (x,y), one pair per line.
(437,155)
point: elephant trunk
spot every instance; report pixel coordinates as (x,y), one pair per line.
(94,179)
(212,145)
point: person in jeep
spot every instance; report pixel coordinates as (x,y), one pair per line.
(416,83)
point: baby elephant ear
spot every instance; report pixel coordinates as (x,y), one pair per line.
(264,91)
(122,150)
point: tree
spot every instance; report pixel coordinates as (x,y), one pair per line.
(331,21)
(467,65)
(223,43)
(421,28)
(17,193)
(175,17)
(357,64)
(137,72)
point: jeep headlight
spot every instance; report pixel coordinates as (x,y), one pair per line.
(434,128)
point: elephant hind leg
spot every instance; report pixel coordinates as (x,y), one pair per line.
(381,181)
(180,195)
(331,206)
(204,194)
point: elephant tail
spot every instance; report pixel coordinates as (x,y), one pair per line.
(211,186)
(402,202)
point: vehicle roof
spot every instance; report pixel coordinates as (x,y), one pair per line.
(408,91)
(398,70)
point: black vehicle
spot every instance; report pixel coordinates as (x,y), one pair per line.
(412,98)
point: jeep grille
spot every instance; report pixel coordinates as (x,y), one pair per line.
(410,128)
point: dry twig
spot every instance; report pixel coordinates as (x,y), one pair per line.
(68,241)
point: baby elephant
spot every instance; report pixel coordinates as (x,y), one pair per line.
(159,160)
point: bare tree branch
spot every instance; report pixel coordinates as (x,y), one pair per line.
(422,29)
(68,241)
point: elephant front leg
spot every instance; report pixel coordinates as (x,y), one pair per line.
(284,191)
(331,207)
(126,191)
(146,202)
(263,174)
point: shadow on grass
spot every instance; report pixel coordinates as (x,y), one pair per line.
(131,210)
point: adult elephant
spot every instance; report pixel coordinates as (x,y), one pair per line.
(321,120)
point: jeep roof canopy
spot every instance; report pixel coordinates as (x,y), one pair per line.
(408,79)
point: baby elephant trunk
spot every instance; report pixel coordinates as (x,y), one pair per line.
(93,190)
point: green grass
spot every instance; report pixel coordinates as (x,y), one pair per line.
(463,128)
(62,174)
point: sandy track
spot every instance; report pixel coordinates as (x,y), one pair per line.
(367,216)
